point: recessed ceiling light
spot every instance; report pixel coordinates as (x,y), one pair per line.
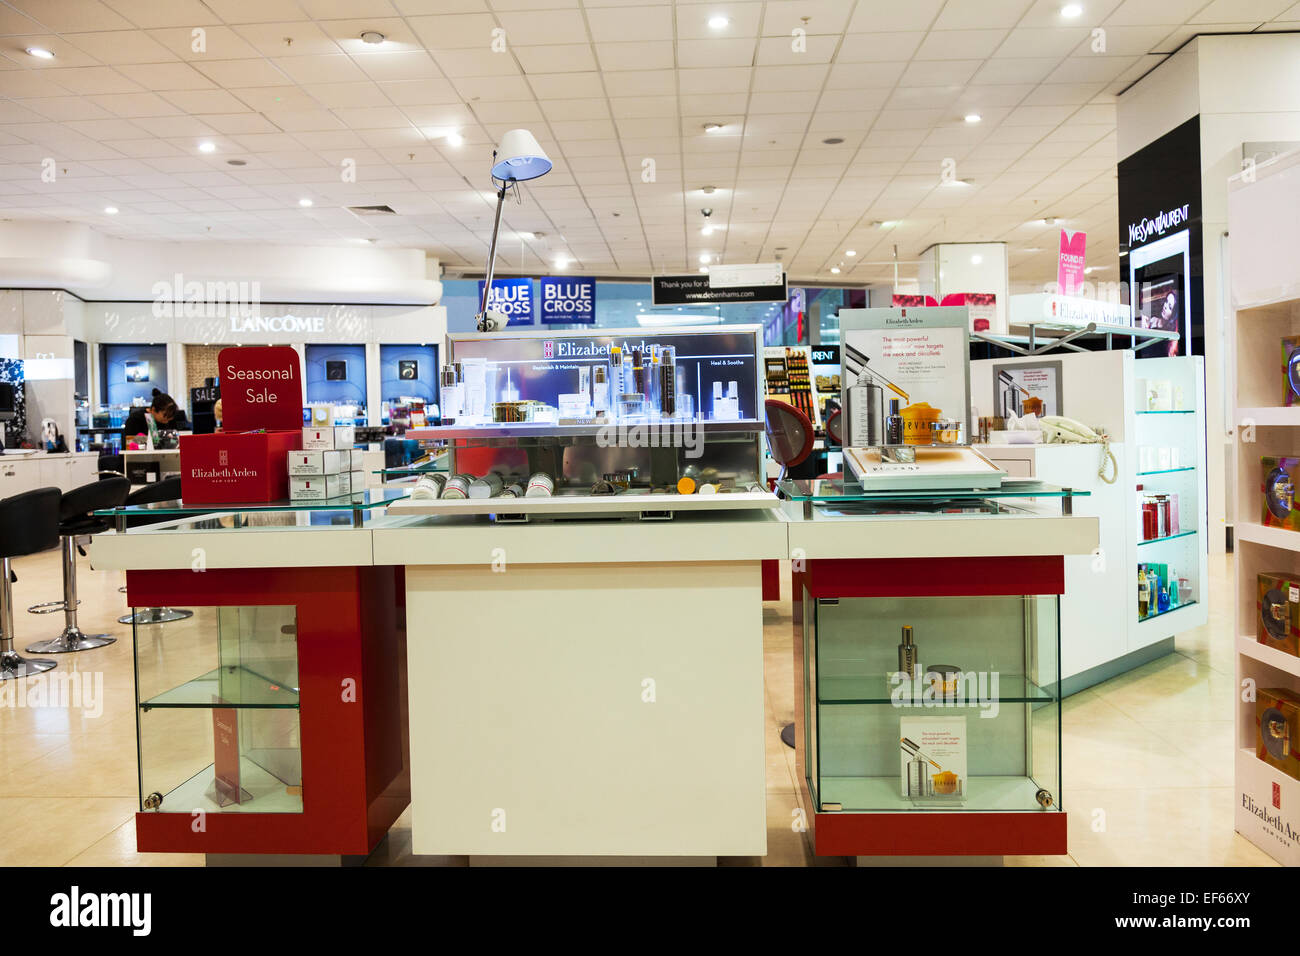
(236,162)
(111,210)
(207,146)
(705,257)
(850,252)
(835,270)
(833,140)
(704,268)
(561,263)
(304,202)
(40,53)
(889,224)
(1049,221)
(712,127)
(708,190)
(373,37)
(976,260)
(455,139)
(638,305)
(527,236)
(718,22)
(1071,10)
(973,117)
(706,231)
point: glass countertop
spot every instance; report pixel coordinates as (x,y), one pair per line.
(366,500)
(839,490)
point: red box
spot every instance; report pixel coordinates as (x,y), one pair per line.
(237,467)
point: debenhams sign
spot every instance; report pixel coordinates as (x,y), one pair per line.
(1140,232)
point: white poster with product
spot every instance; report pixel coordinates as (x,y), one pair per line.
(906,394)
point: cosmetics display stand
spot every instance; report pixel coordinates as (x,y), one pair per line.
(1158,455)
(960,758)
(1266,304)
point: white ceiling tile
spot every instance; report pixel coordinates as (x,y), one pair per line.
(233,74)
(563,58)
(164,13)
(646,55)
(419,92)
(325,68)
(870,16)
(307,38)
(782,50)
(644,22)
(216,42)
(455,31)
(406,65)
(1026,42)
(706,81)
(1154,12)
(201,102)
(462,64)
(162,77)
(543,27)
(693,20)
(66,16)
(959,44)
(938,72)
(853,76)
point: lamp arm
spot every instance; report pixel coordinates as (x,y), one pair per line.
(492,258)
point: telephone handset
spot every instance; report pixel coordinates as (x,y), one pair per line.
(1060,430)
(1057,428)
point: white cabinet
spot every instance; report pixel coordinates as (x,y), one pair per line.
(19,474)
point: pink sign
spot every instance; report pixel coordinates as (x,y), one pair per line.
(1069,270)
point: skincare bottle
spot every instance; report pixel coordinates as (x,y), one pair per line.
(452,391)
(894,424)
(668,382)
(600,388)
(907,653)
(1144,593)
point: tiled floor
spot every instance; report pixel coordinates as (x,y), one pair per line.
(1147,756)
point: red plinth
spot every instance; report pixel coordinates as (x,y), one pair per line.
(928,833)
(352,709)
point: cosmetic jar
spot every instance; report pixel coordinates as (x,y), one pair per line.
(946,431)
(916,423)
(945,680)
(428,487)
(540,485)
(457,486)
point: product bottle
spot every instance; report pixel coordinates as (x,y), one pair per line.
(1173,587)
(894,424)
(907,654)
(1162,603)
(1144,593)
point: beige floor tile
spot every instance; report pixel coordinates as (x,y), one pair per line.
(55,830)
(118,849)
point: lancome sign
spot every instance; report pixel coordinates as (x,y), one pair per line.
(277,323)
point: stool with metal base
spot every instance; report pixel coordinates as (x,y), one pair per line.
(167,490)
(790,440)
(76,518)
(29,523)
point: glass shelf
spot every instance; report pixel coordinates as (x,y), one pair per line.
(1171,411)
(235,687)
(1012,689)
(882,794)
(548,430)
(838,490)
(1152,617)
(1168,537)
(366,500)
(1165,471)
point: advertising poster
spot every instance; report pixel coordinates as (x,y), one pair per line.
(920,356)
(982,306)
(1022,390)
(512,298)
(568,301)
(1069,269)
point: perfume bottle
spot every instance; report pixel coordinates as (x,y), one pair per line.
(1162,602)
(1144,593)
(907,662)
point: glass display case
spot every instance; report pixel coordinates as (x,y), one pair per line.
(218,725)
(615,414)
(932,703)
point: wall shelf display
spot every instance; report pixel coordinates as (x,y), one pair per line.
(1266,306)
(1153,514)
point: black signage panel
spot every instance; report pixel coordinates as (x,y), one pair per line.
(695,290)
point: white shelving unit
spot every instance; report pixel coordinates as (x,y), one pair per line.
(1101,633)
(1266,307)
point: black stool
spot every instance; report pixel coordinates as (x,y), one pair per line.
(76,519)
(167,490)
(29,523)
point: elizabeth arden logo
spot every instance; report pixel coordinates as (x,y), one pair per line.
(223,458)
(1277,796)
(548,349)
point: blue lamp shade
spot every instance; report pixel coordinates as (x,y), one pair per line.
(519,157)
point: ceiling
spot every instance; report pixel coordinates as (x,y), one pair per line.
(614,90)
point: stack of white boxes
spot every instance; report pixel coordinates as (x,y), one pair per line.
(327,466)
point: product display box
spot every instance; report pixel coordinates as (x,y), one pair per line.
(1278,491)
(324,462)
(325,487)
(236,467)
(1291,370)
(1277,724)
(331,437)
(1277,620)
(933,756)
